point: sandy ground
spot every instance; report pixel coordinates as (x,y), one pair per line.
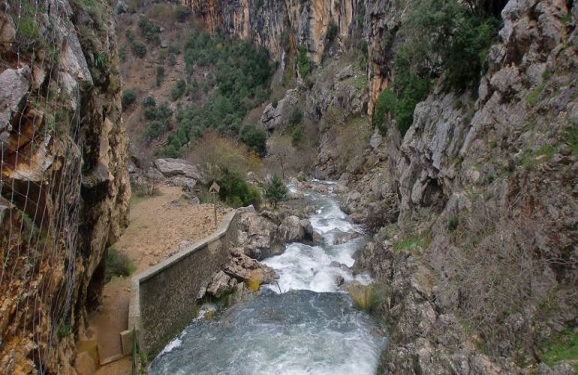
(158,227)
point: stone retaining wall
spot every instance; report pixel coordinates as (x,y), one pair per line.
(163,298)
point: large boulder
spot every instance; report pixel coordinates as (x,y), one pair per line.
(257,235)
(245,268)
(291,229)
(221,284)
(177,167)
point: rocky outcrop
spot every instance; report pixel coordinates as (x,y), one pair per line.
(63,174)
(240,269)
(481,194)
(274,117)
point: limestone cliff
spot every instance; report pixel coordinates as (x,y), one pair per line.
(64,183)
(478,208)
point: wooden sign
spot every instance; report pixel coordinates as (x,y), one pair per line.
(214,189)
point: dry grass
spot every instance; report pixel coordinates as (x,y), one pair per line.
(254,281)
(366,297)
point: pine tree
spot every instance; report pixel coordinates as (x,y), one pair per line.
(275,190)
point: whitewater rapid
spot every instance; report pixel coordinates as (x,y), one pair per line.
(305,324)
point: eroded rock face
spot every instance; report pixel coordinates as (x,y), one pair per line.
(64,177)
(473,177)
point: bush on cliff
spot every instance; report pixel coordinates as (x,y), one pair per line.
(444,40)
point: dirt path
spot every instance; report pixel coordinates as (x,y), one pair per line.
(159,227)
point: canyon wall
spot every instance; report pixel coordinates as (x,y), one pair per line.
(481,190)
(64,181)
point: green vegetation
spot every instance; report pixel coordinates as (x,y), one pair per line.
(533,96)
(385,106)
(332,30)
(295,117)
(64,330)
(275,190)
(118,264)
(571,136)
(160,77)
(410,243)
(236,192)
(240,72)
(453,223)
(182,13)
(149,30)
(178,91)
(255,139)
(562,346)
(137,48)
(159,119)
(442,39)
(304,63)
(128,98)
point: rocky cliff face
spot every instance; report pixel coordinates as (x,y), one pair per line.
(64,183)
(275,24)
(483,190)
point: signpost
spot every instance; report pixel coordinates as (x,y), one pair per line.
(214,190)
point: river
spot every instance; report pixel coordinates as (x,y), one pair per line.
(304,325)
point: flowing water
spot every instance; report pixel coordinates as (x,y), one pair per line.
(304,325)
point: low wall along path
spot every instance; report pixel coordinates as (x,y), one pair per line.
(163,298)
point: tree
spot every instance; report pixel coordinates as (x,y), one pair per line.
(275,190)
(255,139)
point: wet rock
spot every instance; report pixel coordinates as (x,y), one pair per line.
(345,237)
(245,268)
(219,285)
(291,229)
(257,235)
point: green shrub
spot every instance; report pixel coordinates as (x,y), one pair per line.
(122,54)
(275,190)
(138,49)
(236,192)
(453,223)
(178,91)
(149,30)
(255,139)
(304,63)
(128,98)
(332,30)
(160,75)
(441,39)
(295,117)
(384,107)
(118,264)
(297,137)
(149,102)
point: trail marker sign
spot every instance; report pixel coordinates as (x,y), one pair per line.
(214,189)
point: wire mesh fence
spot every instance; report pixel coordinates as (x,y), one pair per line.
(40,185)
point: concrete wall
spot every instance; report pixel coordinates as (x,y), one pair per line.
(163,298)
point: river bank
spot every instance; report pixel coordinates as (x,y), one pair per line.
(159,225)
